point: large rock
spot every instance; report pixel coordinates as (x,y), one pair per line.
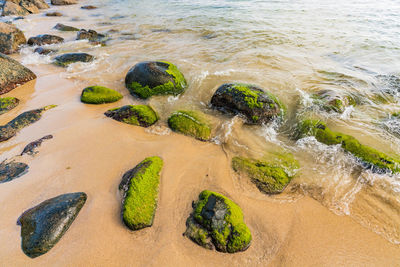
(13,9)
(252,102)
(13,127)
(43,225)
(30,6)
(217,223)
(191,123)
(150,78)
(23,7)
(140,115)
(7,104)
(41,4)
(99,95)
(13,74)
(63,2)
(69,58)
(12,170)
(45,39)
(140,193)
(11,38)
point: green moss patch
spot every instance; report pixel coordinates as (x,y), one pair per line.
(99,95)
(370,157)
(7,104)
(140,187)
(270,177)
(140,115)
(190,123)
(217,222)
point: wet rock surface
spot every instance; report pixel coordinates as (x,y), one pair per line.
(23,7)
(91,35)
(43,225)
(191,123)
(45,39)
(89,7)
(43,51)
(12,170)
(53,14)
(63,2)
(31,147)
(69,58)
(140,115)
(11,38)
(65,28)
(7,104)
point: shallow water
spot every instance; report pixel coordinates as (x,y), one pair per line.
(290,48)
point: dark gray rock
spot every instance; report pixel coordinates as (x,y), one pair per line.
(43,225)
(12,170)
(30,148)
(45,39)
(66,59)
(93,37)
(11,38)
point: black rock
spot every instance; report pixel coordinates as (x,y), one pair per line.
(30,148)
(45,39)
(12,170)
(43,225)
(66,59)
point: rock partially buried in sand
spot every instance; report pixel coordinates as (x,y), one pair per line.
(65,28)
(53,14)
(217,223)
(11,38)
(63,2)
(45,39)
(11,129)
(150,78)
(7,104)
(140,115)
(369,157)
(140,193)
(191,123)
(43,225)
(30,148)
(12,170)
(256,105)
(270,176)
(13,74)
(99,95)
(69,58)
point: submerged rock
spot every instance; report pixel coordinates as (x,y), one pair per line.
(91,35)
(13,74)
(43,225)
(12,170)
(191,123)
(30,148)
(89,7)
(99,95)
(12,128)
(270,176)
(330,100)
(53,14)
(11,38)
(256,105)
(150,78)
(69,58)
(217,223)
(7,104)
(65,28)
(45,39)
(140,193)
(63,2)
(368,156)
(43,51)
(140,115)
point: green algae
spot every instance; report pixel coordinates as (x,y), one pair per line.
(7,104)
(141,193)
(270,177)
(190,123)
(140,115)
(99,95)
(369,156)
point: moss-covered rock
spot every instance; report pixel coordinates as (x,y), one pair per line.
(69,58)
(140,189)
(217,222)
(11,128)
(140,115)
(65,28)
(270,176)
(256,105)
(7,104)
(191,123)
(150,78)
(99,95)
(369,157)
(330,100)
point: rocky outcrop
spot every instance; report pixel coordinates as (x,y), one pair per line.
(23,7)
(12,170)
(11,38)
(217,223)
(140,115)
(7,104)
(65,28)
(256,105)
(150,78)
(139,187)
(30,148)
(69,58)
(191,123)
(13,127)
(13,74)
(99,95)
(43,225)
(45,39)
(63,2)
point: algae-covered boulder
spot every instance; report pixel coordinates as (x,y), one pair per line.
(270,176)
(191,123)
(140,193)
(12,170)
(150,78)
(65,28)
(43,225)
(99,95)
(330,100)
(13,74)
(69,58)
(45,39)
(369,157)
(11,128)
(7,104)
(217,223)
(255,104)
(140,115)
(11,38)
